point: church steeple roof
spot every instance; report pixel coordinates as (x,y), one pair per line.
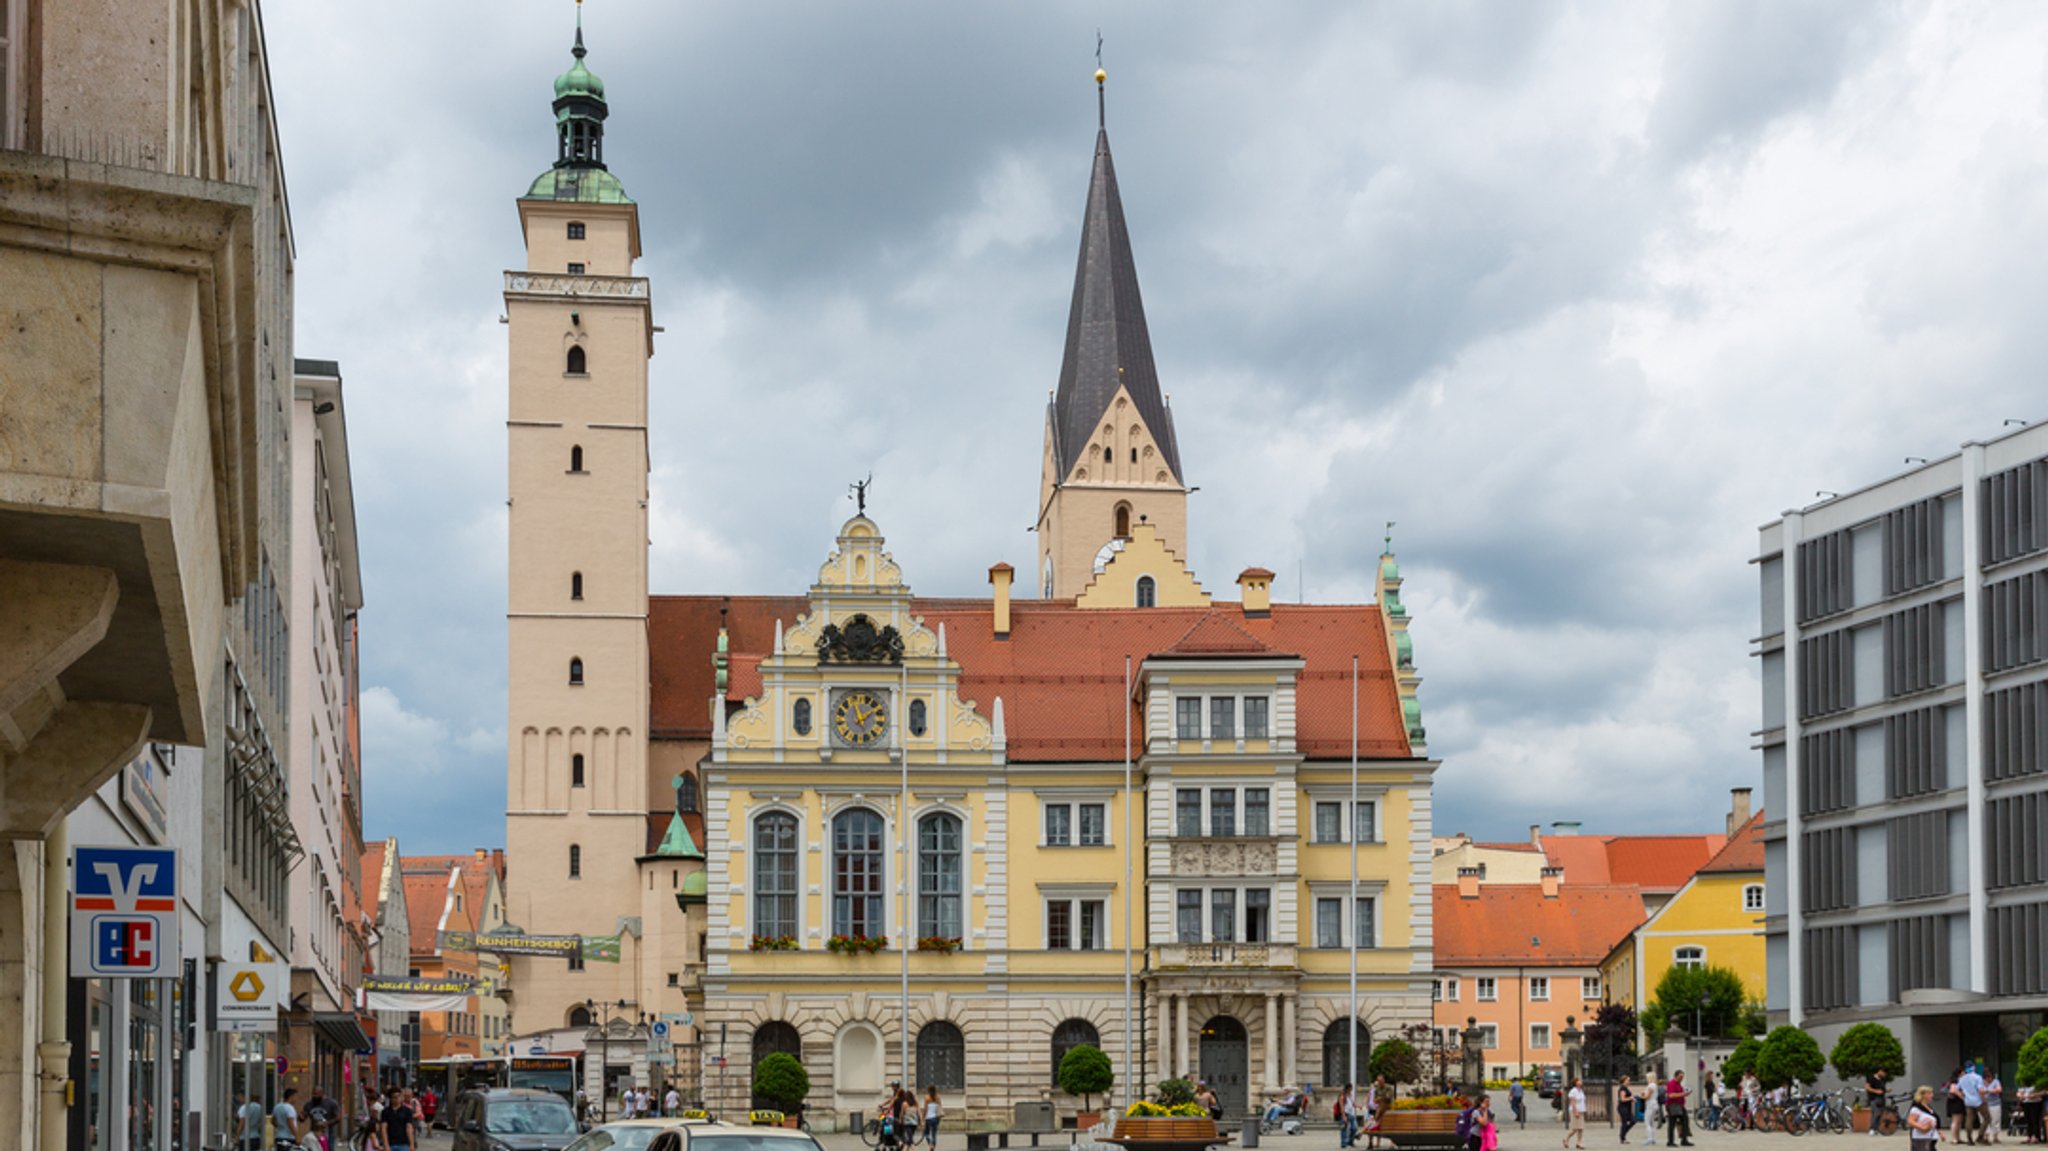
(1107,343)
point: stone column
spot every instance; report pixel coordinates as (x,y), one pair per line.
(1165,1036)
(1272,1042)
(1180,1020)
(1288,1043)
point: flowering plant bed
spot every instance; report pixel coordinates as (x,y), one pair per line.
(772,943)
(1146,1109)
(943,944)
(856,944)
(1166,1132)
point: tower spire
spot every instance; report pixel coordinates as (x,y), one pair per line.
(580,109)
(1101,113)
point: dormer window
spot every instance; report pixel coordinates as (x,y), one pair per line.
(575,229)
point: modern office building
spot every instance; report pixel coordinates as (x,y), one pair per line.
(1904,648)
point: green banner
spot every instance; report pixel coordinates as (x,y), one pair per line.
(510,943)
(601,948)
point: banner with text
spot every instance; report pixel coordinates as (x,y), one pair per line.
(407,993)
(512,943)
(601,948)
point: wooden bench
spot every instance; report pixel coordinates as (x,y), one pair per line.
(1420,1128)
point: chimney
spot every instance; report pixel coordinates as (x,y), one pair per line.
(1564,827)
(1536,834)
(1468,883)
(1738,808)
(1552,878)
(1000,575)
(1255,588)
(482,853)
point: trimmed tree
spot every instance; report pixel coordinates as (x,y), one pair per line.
(1396,1059)
(1085,1071)
(1742,1060)
(2034,1060)
(1789,1056)
(1173,1092)
(1865,1049)
(1677,997)
(781,1081)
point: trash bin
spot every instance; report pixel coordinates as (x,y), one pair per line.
(855,1121)
(1033,1115)
(1251,1131)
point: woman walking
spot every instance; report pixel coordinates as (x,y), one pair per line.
(1625,1104)
(1957,1113)
(932,1111)
(1921,1122)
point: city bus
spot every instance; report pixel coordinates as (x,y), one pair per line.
(556,1073)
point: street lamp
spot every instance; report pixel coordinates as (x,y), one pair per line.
(609,1013)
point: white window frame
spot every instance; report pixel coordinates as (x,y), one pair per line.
(1271,889)
(1753,897)
(1373,893)
(1207,819)
(1074,895)
(1341,796)
(1539,1037)
(1074,802)
(1679,958)
(1591,988)
(1489,1036)
(1486,989)
(1451,989)
(1539,988)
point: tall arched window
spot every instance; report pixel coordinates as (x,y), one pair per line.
(1123,521)
(938,876)
(579,1016)
(775,863)
(1068,1035)
(576,770)
(575,861)
(857,873)
(1148,592)
(941,1056)
(1337,1052)
(577,362)
(576,458)
(776,1038)
(686,792)
(1108,454)
(575,585)
(576,671)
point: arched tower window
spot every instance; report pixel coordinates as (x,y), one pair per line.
(1148,592)
(1123,521)
(1108,454)
(686,793)
(576,770)
(800,717)
(575,585)
(575,861)
(576,458)
(577,362)
(576,671)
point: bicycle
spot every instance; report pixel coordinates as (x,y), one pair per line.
(1884,1115)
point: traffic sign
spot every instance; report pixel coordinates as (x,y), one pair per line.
(124,912)
(247,995)
(660,1029)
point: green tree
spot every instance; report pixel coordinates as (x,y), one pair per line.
(1742,1060)
(1173,1092)
(1867,1048)
(2034,1060)
(1396,1059)
(1610,1042)
(1678,996)
(1789,1056)
(781,1082)
(1085,1071)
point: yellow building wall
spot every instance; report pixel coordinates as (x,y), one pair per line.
(1144,554)
(1707,913)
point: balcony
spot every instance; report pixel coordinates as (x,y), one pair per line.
(1224,956)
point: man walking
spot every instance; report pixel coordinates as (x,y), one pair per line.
(1515,1104)
(1975,1120)
(1874,1091)
(1677,1123)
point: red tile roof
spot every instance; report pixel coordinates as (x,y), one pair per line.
(1060,672)
(1215,634)
(1657,863)
(373,875)
(1515,923)
(1745,849)
(426,896)
(476,874)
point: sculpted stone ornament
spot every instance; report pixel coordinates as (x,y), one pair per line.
(860,641)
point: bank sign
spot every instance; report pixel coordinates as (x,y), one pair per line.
(124,912)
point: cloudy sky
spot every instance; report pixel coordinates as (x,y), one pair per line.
(1579,295)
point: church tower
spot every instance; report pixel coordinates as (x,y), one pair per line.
(577,792)
(1111,461)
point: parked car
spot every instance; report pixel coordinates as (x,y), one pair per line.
(1549,1083)
(511,1119)
(732,1137)
(623,1135)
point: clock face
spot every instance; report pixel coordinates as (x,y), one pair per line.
(859,718)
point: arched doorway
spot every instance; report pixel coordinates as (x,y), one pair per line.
(1224,1055)
(775,1037)
(1337,1053)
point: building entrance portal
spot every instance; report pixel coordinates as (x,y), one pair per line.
(1224,1058)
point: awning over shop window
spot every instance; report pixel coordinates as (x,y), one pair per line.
(342,1029)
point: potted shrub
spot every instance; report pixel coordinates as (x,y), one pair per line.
(1170,1120)
(781,1083)
(1863,1050)
(1788,1056)
(1085,1071)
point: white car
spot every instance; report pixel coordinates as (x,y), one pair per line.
(624,1134)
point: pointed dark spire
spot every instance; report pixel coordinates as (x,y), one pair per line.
(1107,343)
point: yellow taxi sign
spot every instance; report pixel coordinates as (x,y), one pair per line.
(695,1113)
(766,1118)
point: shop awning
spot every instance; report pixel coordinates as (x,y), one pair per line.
(342,1029)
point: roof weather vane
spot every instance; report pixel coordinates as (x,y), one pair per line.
(859,493)
(1390,537)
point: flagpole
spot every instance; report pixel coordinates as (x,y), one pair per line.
(1130,869)
(1352,911)
(903,836)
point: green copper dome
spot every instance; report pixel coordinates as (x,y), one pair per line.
(695,884)
(579,80)
(579,186)
(1388,569)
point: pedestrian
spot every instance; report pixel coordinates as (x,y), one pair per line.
(1516,1105)
(1575,1114)
(285,1116)
(1625,1106)
(932,1111)
(1346,1114)
(1994,1105)
(320,1116)
(1208,1098)
(2031,1113)
(582,1106)
(1971,1088)
(428,1106)
(1649,1111)
(1954,1093)
(401,1122)
(248,1122)
(1677,1121)
(1875,1088)
(1489,1134)
(1921,1122)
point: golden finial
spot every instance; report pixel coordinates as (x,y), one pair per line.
(1100,76)
(1101,111)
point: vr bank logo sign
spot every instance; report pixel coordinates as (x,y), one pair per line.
(124,911)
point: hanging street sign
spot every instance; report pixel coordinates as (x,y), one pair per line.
(246,996)
(512,943)
(124,912)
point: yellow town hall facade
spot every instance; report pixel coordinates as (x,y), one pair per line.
(780,804)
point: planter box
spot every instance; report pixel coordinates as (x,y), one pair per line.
(1859,1121)
(1419,1128)
(1166,1134)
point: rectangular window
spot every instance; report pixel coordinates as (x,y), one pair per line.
(1589,988)
(1059,925)
(1222,811)
(1188,915)
(575,269)
(1223,915)
(1187,711)
(1257,811)
(1539,989)
(1258,915)
(1187,806)
(1329,923)
(1094,825)
(1451,989)
(1059,829)
(1489,988)
(1223,717)
(1365,821)
(1094,937)
(1436,991)
(1255,717)
(1489,1036)
(1366,923)
(576,229)
(1539,1036)
(1329,822)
